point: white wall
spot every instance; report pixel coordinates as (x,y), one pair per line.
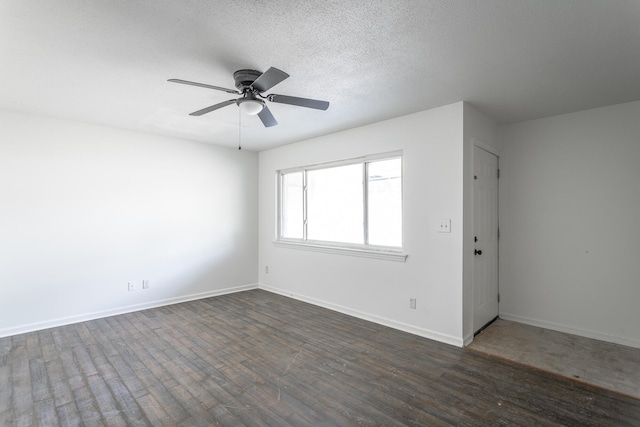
(85,209)
(569,219)
(373,289)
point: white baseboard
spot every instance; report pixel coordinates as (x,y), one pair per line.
(571,330)
(468,339)
(426,333)
(37,326)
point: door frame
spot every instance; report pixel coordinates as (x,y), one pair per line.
(476,143)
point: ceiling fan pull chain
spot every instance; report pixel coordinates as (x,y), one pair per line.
(239,129)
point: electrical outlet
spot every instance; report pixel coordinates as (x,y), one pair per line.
(132,286)
(444,226)
(412,303)
(266,269)
(145,284)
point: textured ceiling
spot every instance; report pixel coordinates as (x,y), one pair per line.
(107,62)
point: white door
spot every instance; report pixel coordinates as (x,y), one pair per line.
(485,229)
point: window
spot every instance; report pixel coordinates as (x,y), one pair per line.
(353,204)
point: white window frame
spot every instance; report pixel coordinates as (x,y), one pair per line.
(392,253)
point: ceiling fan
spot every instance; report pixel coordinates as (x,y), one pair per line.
(251,84)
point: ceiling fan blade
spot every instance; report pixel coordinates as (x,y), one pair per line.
(186,82)
(269,79)
(213,107)
(301,102)
(267,118)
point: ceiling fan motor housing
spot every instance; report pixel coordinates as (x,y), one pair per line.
(245,78)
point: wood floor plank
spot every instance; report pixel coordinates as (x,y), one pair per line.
(126,403)
(82,358)
(105,401)
(22,399)
(255,358)
(128,376)
(45,413)
(60,389)
(160,394)
(72,373)
(153,411)
(6,390)
(88,412)
(47,345)
(68,415)
(39,379)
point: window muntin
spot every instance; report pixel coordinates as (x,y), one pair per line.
(353,203)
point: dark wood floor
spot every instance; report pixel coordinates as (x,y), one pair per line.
(255,358)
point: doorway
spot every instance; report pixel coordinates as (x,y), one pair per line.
(486,236)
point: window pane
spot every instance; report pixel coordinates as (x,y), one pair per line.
(385,202)
(292,206)
(335,204)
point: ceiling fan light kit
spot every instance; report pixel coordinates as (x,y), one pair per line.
(250,107)
(251,84)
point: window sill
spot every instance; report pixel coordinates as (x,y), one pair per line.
(388,255)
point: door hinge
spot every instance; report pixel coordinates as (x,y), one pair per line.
(498,297)
(498,233)
(498,173)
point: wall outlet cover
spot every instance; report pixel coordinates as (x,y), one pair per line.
(444,226)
